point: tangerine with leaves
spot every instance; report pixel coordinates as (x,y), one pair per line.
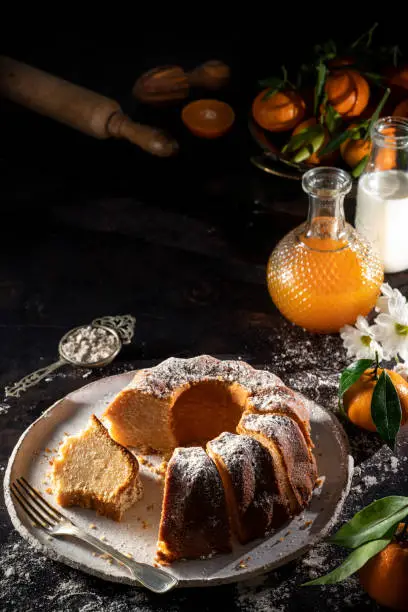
(384,576)
(357,399)
(279,112)
(348,92)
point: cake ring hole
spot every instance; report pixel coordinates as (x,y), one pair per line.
(206,409)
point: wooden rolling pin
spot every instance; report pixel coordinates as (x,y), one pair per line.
(82,109)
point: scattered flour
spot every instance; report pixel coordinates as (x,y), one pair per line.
(4,408)
(394,464)
(369,481)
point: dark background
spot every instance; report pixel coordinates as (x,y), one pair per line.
(90,228)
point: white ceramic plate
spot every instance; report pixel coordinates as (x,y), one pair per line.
(137,533)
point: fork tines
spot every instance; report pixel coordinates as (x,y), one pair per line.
(34,505)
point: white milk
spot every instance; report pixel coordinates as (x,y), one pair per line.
(382,215)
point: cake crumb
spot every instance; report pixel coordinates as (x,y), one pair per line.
(51,462)
(150,507)
(92,526)
(94,554)
(128,555)
(145,525)
(49,491)
(47,450)
(102,538)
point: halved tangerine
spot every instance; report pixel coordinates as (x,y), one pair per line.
(208,118)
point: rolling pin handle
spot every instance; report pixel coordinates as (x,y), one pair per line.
(150,139)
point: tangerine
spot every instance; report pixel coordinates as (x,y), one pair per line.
(348,92)
(208,118)
(353,151)
(357,399)
(401,110)
(386,157)
(314,158)
(384,576)
(280,112)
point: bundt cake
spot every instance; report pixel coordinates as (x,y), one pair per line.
(248,477)
(194,514)
(257,435)
(93,471)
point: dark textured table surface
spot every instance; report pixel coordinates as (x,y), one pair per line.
(94,228)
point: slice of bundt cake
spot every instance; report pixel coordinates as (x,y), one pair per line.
(294,463)
(247,474)
(94,471)
(194,520)
(281,400)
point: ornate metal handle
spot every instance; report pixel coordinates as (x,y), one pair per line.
(32,379)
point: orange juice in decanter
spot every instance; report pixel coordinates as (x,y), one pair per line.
(323,274)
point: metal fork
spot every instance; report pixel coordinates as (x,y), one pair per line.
(42,514)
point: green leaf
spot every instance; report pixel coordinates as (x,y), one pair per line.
(351,374)
(376,113)
(304,137)
(333,119)
(270,82)
(386,409)
(359,169)
(312,146)
(368,35)
(272,91)
(354,561)
(321,79)
(372,522)
(336,142)
(374,76)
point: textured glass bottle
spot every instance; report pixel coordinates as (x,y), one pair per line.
(323,274)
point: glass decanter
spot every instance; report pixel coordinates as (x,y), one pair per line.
(323,274)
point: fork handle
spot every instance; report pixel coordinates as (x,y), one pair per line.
(152,578)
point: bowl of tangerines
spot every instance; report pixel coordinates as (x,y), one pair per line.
(325,114)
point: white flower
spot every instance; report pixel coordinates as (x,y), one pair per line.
(389,296)
(360,341)
(402,370)
(391,329)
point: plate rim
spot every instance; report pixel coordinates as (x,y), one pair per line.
(208,582)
